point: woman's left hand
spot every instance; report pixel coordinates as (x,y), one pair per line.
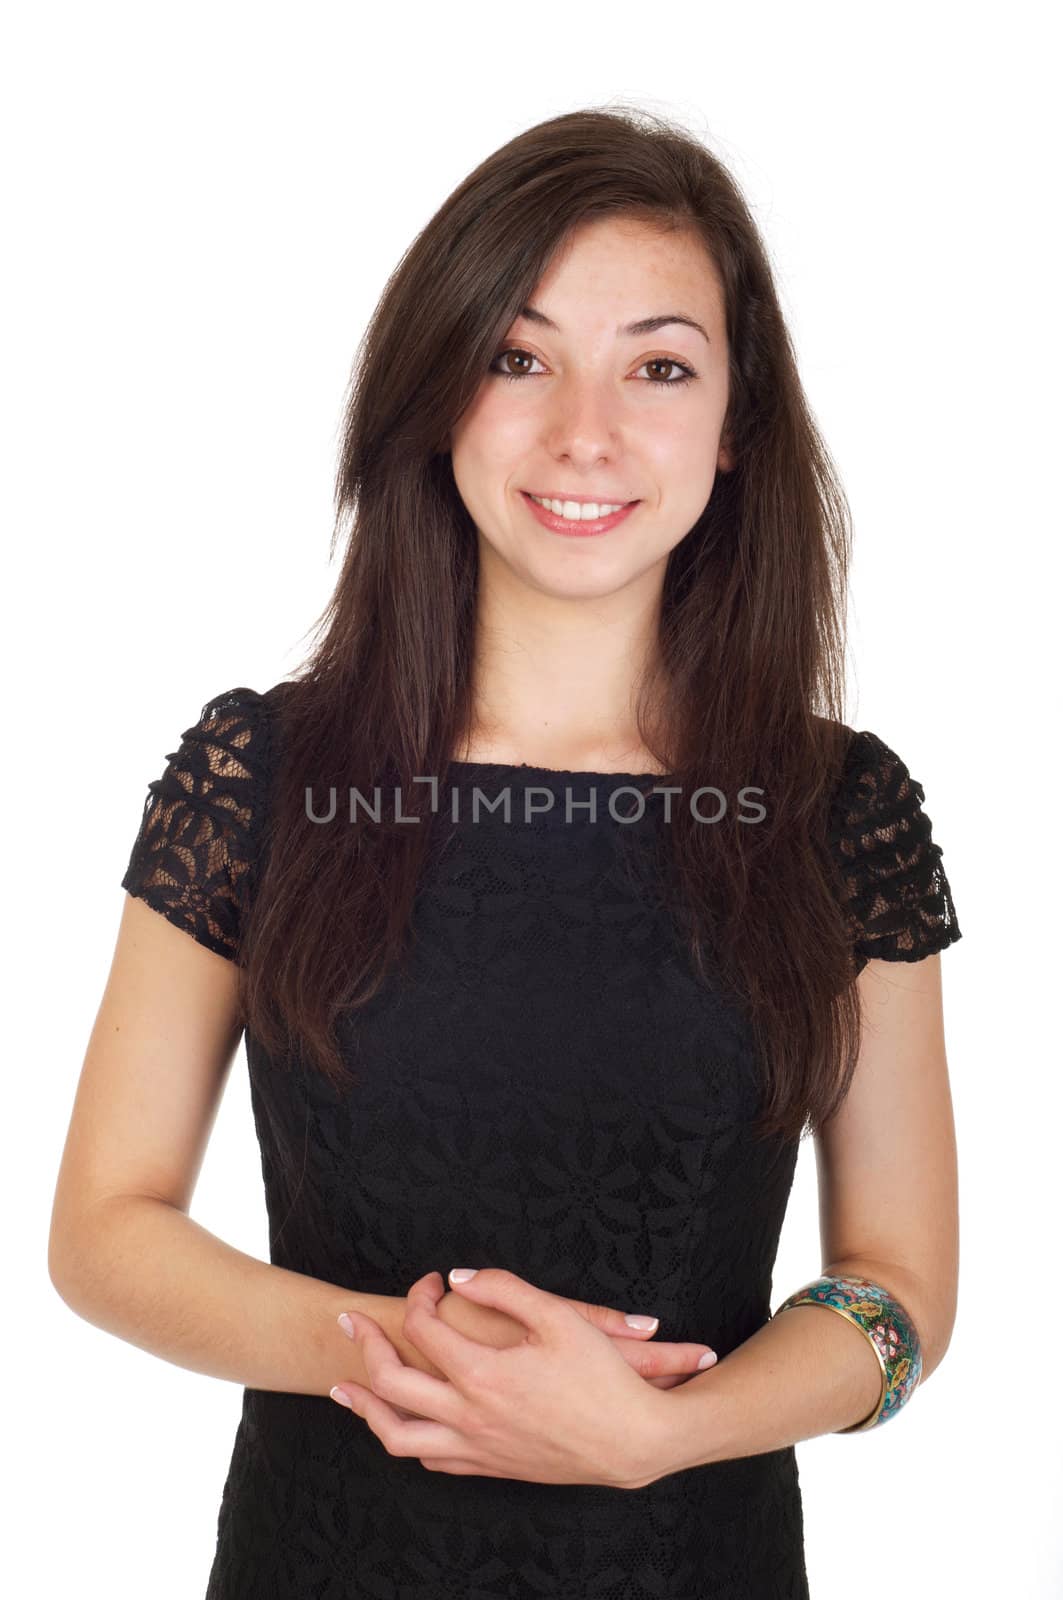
(563,1406)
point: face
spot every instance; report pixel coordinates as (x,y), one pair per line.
(587,411)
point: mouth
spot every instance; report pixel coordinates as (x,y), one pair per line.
(564,498)
(578,516)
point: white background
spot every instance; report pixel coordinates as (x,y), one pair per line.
(203,204)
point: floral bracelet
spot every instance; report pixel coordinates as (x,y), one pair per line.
(888,1328)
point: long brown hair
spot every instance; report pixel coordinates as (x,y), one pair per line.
(749,687)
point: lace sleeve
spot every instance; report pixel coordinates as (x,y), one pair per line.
(896,892)
(194,856)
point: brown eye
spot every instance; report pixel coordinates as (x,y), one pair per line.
(517,354)
(670,361)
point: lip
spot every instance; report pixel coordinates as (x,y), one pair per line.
(572,529)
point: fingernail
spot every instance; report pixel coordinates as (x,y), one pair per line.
(642,1322)
(707,1360)
(462,1274)
(346,1324)
(344,1399)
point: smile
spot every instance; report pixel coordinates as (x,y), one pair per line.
(577,518)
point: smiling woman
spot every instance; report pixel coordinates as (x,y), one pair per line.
(595,543)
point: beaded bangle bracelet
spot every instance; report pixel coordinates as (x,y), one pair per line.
(888,1328)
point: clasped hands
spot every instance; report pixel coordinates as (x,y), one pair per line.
(577,1400)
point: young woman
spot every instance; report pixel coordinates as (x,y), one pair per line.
(556,902)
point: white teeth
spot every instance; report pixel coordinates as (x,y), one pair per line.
(574,511)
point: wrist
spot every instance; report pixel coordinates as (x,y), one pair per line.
(657,1434)
(684,1427)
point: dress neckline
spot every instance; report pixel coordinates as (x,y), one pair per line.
(526,768)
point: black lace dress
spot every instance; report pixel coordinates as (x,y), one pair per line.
(545,1088)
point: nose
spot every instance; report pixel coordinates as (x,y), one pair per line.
(583,419)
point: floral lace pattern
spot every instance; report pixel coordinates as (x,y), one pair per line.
(194,853)
(899,900)
(543,1085)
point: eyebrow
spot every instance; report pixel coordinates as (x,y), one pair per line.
(632,330)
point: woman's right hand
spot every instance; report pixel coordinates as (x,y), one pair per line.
(664,1365)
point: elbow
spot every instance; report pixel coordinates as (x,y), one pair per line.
(60,1265)
(929,1302)
(934,1342)
(56,1253)
(75,1238)
(933,1310)
(69,1254)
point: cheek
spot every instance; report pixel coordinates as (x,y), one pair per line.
(683,439)
(684,458)
(492,442)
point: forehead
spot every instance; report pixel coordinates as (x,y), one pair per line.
(615,270)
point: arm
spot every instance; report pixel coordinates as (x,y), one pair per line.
(146,1272)
(123,1253)
(887,1170)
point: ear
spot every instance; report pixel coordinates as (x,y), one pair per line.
(725,460)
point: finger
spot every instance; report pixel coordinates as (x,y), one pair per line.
(659,1360)
(454,1352)
(458,1467)
(542,1313)
(612,1321)
(391,1380)
(431,1285)
(400,1436)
